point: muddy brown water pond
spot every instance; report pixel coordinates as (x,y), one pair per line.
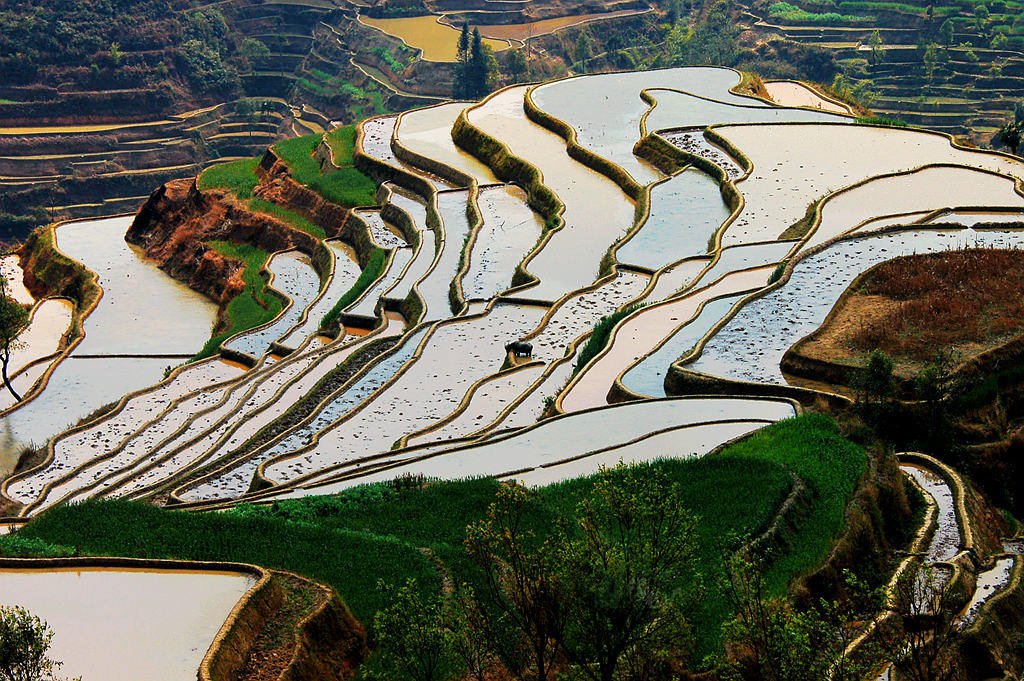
(788,93)
(123,624)
(439,42)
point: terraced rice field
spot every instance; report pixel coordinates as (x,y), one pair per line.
(112,623)
(418,380)
(437,41)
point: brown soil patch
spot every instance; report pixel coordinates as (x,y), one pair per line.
(915,308)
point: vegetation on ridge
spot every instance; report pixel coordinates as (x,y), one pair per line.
(372,531)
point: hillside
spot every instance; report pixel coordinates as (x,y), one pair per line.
(346,344)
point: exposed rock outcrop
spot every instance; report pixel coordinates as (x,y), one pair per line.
(177,220)
(277,186)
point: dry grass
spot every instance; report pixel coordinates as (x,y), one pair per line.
(944,299)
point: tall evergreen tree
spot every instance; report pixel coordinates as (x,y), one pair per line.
(460,87)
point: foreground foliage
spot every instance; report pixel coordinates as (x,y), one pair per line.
(376,531)
(24,642)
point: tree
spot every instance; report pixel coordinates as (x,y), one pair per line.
(483,66)
(13,318)
(1010,135)
(251,49)
(775,641)
(877,52)
(711,41)
(981,15)
(518,611)
(476,70)
(946,32)
(24,642)
(931,61)
(414,643)
(517,67)
(921,636)
(600,592)
(581,51)
(619,574)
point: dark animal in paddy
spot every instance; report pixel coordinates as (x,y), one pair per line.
(519,349)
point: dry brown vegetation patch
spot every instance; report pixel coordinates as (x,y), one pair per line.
(939,301)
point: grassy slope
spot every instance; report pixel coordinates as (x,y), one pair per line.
(375,265)
(345,187)
(350,540)
(253,306)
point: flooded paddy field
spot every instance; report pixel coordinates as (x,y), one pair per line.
(440,377)
(683,109)
(508,233)
(750,347)
(781,185)
(293,277)
(438,41)
(790,93)
(111,624)
(596,210)
(686,211)
(428,132)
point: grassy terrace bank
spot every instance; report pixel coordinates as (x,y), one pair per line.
(346,186)
(376,531)
(253,305)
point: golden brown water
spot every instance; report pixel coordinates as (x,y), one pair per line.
(788,93)
(544,26)
(58,129)
(438,41)
(127,624)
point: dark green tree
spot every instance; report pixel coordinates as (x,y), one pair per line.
(711,41)
(619,570)
(413,641)
(582,50)
(24,643)
(946,32)
(518,69)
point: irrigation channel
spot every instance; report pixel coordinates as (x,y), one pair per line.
(662,202)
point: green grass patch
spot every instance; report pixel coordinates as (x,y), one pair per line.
(342,142)
(792,13)
(374,267)
(351,561)
(346,187)
(882,120)
(253,306)
(895,7)
(599,338)
(351,539)
(811,447)
(238,177)
(289,216)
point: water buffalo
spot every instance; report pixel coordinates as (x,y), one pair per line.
(519,349)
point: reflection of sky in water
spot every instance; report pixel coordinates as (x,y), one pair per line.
(76,388)
(685,212)
(750,347)
(142,311)
(648,377)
